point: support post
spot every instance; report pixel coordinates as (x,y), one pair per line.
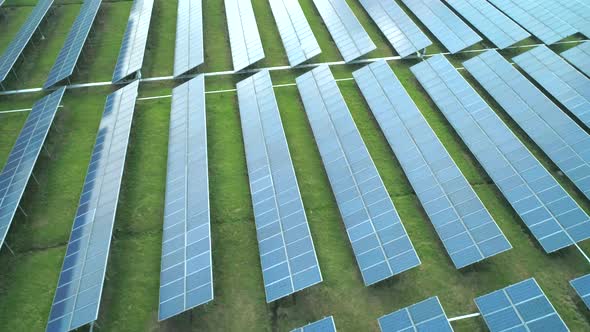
(23,211)
(46,151)
(34,178)
(9,249)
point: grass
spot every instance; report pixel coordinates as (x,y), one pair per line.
(130,296)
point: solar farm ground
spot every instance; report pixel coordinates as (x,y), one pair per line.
(130,298)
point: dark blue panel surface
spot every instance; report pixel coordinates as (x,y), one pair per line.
(466,228)
(551,215)
(189,53)
(520,307)
(427,315)
(132,50)
(378,238)
(21,160)
(560,137)
(322,325)
(22,38)
(68,56)
(186,278)
(582,287)
(287,254)
(77,297)
(452,32)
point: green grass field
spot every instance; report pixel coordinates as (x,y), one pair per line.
(130,297)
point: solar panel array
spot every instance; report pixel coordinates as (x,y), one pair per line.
(21,160)
(132,51)
(347,32)
(452,32)
(562,140)
(186,278)
(520,307)
(401,32)
(579,56)
(296,34)
(491,22)
(466,228)
(188,52)
(322,325)
(574,12)
(77,297)
(552,216)
(244,38)
(379,240)
(17,45)
(68,56)
(582,286)
(427,315)
(543,24)
(570,87)
(287,254)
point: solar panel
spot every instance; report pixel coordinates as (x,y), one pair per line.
(21,160)
(574,12)
(287,254)
(22,38)
(552,216)
(347,32)
(582,286)
(570,87)
(427,315)
(186,278)
(543,24)
(564,142)
(68,56)
(491,22)
(188,53)
(296,34)
(322,325)
(378,238)
(1,2)
(401,32)
(132,51)
(452,32)
(464,225)
(77,297)
(520,307)
(244,38)
(579,56)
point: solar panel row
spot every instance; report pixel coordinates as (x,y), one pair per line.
(186,278)
(491,22)
(427,315)
(77,297)
(296,34)
(287,254)
(520,307)
(579,56)
(132,51)
(244,38)
(452,32)
(322,325)
(379,240)
(347,32)
(22,38)
(574,12)
(543,24)
(21,160)
(582,286)
(552,216)
(188,52)
(401,32)
(562,140)
(68,56)
(570,87)
(466,228)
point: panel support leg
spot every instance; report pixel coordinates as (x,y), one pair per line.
(23,211)
(35,178)
(46,151)
(9,249)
